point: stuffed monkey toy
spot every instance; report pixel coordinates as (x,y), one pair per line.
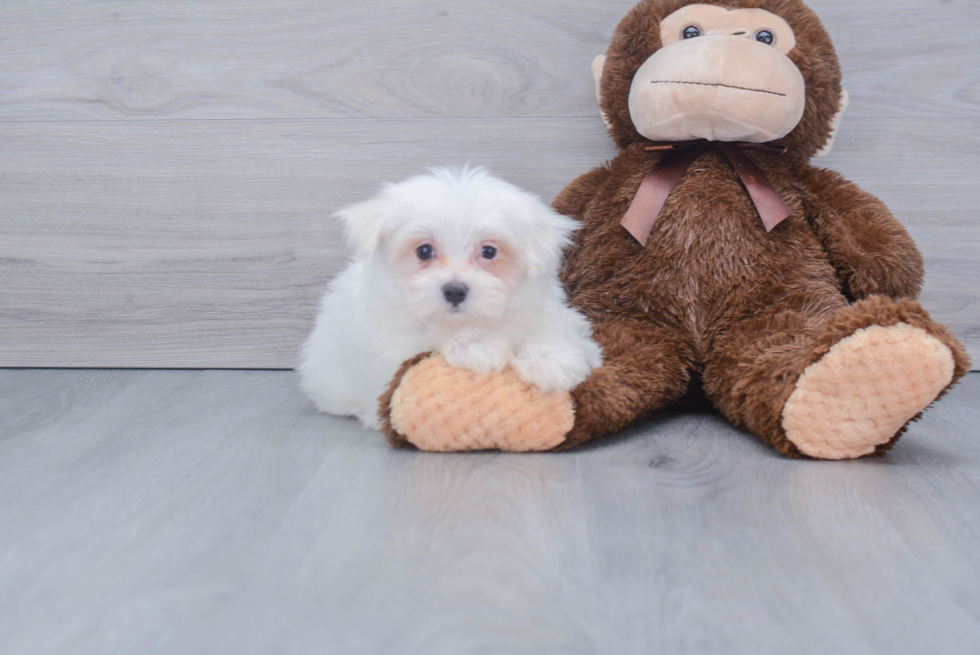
(712,251)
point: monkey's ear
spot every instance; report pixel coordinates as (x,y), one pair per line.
(845,100)
(598,64)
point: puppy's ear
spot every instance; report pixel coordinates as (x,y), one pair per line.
(366,224)
(547,238)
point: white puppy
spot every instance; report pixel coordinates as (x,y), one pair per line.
(458,262)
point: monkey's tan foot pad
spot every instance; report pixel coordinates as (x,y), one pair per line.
(865,390)
(439,408)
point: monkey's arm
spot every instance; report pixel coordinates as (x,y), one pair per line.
(872,251)
(575,198)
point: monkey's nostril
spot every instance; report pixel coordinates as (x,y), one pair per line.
(455,293)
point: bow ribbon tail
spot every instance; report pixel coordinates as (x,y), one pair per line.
(771,207)
(655,189)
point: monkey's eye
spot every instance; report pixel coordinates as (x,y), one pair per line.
(488,252)
(425,252)
(765,36)
(691,31)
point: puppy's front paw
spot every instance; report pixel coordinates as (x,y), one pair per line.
(483,354)
(552,368)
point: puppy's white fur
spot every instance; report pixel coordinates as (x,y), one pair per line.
(388,305)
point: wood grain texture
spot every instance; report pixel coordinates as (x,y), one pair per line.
(207,243)
(137,59)
(213,249)
(216,512)
(300,59)
(168,169)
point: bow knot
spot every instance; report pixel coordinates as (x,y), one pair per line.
(656,187)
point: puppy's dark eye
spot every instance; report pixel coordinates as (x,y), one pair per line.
(425,252)
(488,252)
(691,31)
(765,36)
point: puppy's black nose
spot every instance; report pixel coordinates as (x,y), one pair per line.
(455,293)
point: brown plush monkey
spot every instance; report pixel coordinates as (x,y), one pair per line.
(712,249)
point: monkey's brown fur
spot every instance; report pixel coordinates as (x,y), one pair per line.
(712,293)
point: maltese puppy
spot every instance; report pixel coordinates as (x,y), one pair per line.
(458,262)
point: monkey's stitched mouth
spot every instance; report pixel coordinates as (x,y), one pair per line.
(727,86)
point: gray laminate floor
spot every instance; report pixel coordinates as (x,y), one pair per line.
(215,512)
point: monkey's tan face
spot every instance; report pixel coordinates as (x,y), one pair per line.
(722,75)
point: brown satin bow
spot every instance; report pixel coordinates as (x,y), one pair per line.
(656,187)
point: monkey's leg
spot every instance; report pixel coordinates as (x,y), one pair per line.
(436,407)
(645,367)
(836,386)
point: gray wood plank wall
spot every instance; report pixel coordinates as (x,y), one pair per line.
(167,170)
